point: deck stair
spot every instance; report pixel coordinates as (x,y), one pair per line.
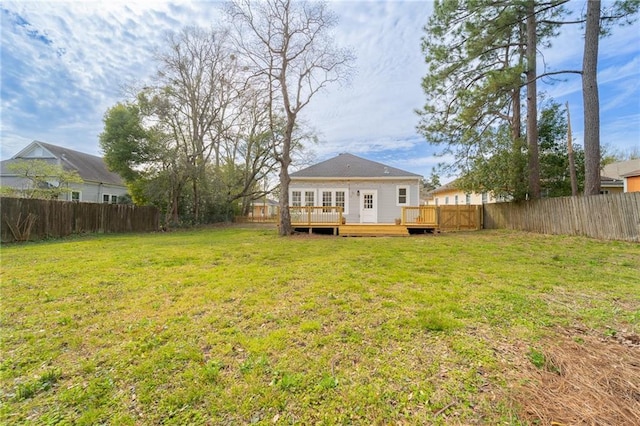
(373,231)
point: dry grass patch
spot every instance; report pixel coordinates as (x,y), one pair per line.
(578,378)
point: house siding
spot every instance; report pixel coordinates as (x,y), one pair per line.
(448,197)
(632,184)
(387,207)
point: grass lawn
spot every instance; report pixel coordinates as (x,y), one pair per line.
(240,326)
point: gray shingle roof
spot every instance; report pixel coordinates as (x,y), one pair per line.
(89,167)
(351,166)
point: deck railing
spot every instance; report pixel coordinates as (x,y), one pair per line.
(422,215)
(307,215)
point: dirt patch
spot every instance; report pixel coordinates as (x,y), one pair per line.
(579,378)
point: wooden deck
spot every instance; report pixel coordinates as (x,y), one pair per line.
(374,230)
(413,219)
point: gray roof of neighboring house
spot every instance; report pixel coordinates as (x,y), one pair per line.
(616,170)
(346,166)
(89,167)
(632,173)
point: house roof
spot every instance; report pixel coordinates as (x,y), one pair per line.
(443,188)
(616,170)
(631,174)
(89,167)
(346,166)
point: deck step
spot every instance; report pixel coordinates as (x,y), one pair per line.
(373,231)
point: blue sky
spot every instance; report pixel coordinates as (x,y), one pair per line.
(65,63)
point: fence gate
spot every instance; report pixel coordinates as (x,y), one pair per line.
(460,217)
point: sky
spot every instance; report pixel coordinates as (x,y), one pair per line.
(63,64)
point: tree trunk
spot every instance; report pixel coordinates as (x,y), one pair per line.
(591,100)
(285,161)
(532,104)
(572,158)
(518,179)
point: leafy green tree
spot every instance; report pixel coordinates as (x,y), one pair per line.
(125,141)
(481,53)
(555,175)
(144,157)
(46,180)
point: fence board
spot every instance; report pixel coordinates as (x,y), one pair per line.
(605,217)
(62,218)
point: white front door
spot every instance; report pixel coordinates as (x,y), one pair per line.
(368,206)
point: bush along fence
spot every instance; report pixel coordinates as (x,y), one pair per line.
(26,219)
(605,217)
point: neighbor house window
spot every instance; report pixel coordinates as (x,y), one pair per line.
(467,199)
(105,198)
(446,200)
(456,200)
(296,198)
(114,199)
(403,195)
(484,198)
(75,196)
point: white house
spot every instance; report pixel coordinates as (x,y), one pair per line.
(368,192)
(99,186)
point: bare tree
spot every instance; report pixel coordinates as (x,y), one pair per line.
(195,93)
(290,51)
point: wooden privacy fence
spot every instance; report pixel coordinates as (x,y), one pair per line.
(30,219)
(459,217)
(605,217)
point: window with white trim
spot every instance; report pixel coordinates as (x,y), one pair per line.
(75,196)
(327,200)
(402,198)
(340,197)
(296,198)
(309,197)
(467,199)
(456,200)
(446,200)
(334,197)
(109,199)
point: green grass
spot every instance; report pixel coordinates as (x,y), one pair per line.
(238,326)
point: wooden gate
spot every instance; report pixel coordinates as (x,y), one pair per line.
(459,217)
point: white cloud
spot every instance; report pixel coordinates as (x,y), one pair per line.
(65,63)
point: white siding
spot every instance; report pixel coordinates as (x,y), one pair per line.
(387,203)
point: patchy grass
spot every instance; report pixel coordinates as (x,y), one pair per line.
(237,326)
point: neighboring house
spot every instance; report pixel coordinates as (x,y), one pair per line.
(449,194)
(99,186)
(264,208)
(368,192)
(632,181)
(612,176)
